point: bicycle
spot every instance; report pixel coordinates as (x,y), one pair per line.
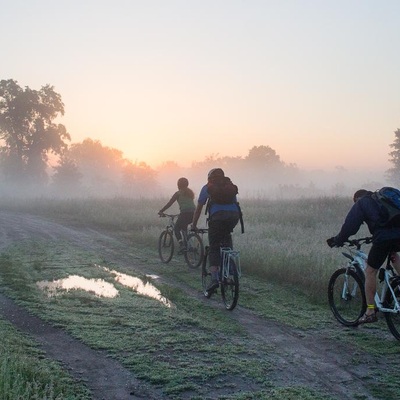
(229,274)
(194,248)
(346,293)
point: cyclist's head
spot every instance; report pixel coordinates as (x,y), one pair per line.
(183,183)
(216,172)
(360,193)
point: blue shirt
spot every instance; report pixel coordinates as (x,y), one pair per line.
(203,197)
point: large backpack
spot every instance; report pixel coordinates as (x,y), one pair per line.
(389,200)
(221,190)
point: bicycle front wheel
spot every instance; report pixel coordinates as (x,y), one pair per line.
(166,246)
(194,250)
(230,287)
(393,319)
(346,296)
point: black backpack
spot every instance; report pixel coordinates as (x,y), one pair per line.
(388,199)
(221,190)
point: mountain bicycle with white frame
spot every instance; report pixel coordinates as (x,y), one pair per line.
(346,292)
(229,274)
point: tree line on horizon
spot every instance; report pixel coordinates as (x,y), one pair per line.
(29,137)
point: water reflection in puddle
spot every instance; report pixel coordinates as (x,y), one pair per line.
(101,288)
(144,288)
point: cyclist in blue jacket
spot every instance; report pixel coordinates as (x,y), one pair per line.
(222,219)
(385,240)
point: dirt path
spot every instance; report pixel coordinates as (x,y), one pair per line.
(309,360)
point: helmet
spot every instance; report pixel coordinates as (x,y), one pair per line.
(183,183)
(215,172)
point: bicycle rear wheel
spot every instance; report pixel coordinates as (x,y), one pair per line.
(194,250)
(166,246)
(230,287)
(346,296)
(393,319)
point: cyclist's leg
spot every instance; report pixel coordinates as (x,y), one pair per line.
(376,257)
(178,227)
(219,231)
(182,222)
(216,234)
(395,257)
(184,219)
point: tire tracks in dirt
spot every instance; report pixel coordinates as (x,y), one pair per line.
(300,358)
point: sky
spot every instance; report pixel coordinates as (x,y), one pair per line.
(182,80)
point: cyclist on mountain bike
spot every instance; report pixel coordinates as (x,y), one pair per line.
(385,240)
(185,198)
(222,220)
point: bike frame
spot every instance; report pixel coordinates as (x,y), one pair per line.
(387,275)
(358,262)
(227,254)
(171,226)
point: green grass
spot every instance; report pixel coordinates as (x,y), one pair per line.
(26,374)
(286,265)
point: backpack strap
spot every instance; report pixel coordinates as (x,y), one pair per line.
(240,217)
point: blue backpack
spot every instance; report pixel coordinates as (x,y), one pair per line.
(389,200)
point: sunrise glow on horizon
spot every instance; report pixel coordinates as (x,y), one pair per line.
(183,80)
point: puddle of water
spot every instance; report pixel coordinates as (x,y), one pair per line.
(146,289)
(101,288)
(98,287)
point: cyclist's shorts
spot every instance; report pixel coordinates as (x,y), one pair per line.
(379,252)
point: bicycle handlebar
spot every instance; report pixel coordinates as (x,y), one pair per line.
(199,230)
(162,215)
(358,242)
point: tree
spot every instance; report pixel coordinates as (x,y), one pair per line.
(100,165)
(67,175)
(263,156)
(28,131)
(394,172)
(139,179)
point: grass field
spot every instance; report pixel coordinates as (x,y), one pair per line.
(285,263)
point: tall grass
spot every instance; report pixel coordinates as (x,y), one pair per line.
(284,240)
(25,374)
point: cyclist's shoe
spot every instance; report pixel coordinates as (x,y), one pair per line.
(214,285)
(368,318)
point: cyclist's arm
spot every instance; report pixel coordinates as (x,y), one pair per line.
(352,224)
(196,215)
(169,204)
(203,196)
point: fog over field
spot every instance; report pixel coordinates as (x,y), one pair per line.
(284,184)
(253,182)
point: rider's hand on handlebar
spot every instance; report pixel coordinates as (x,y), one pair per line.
(331,242)
(161,214)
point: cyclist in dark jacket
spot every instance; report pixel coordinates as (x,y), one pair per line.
(385,240)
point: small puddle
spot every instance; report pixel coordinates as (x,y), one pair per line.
(99,287)
(144,288)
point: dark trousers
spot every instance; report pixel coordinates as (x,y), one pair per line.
(220,227)
(182,223)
